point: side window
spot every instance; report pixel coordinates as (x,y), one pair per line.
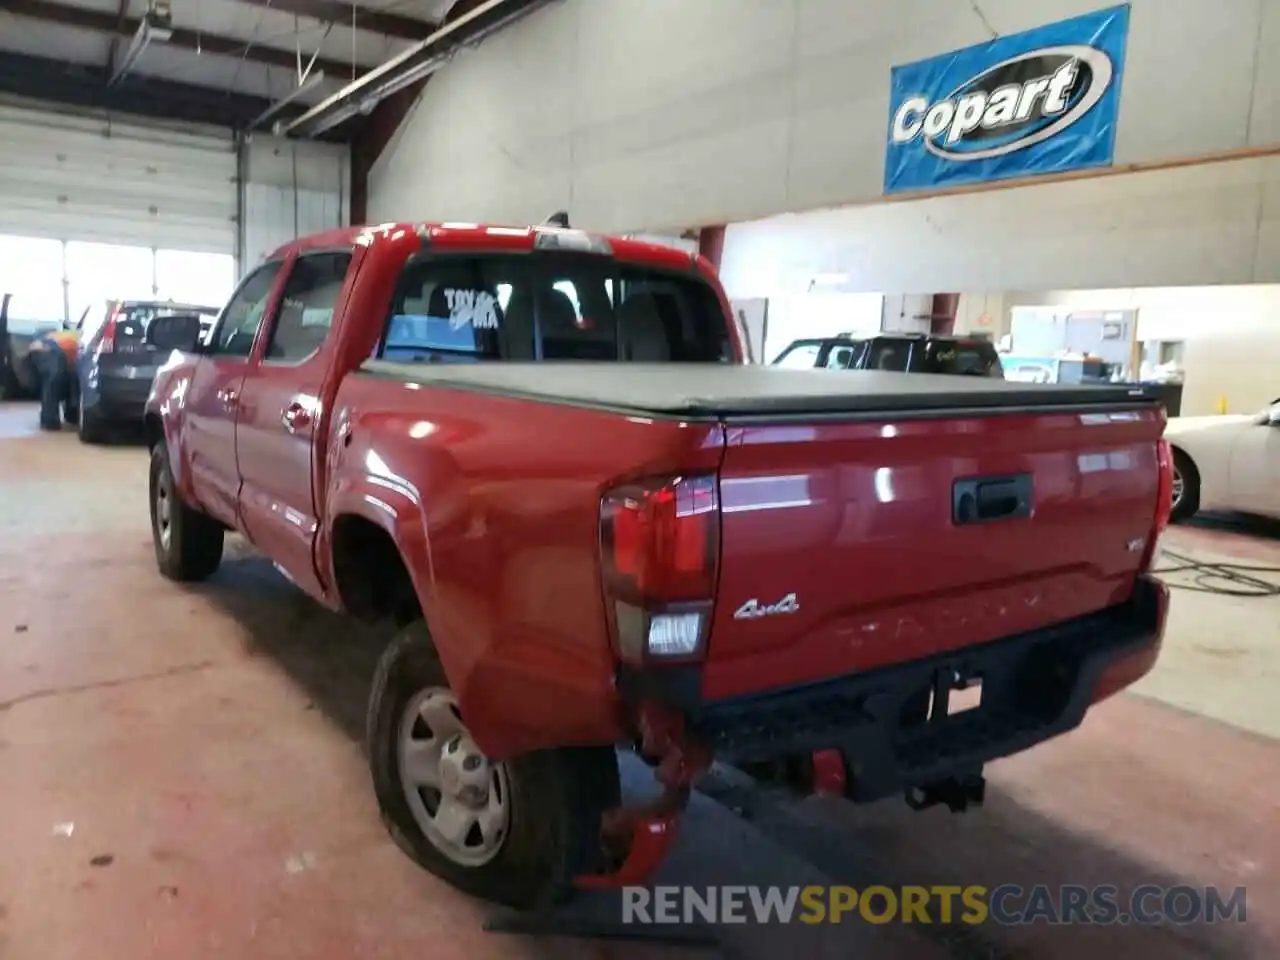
(802,356)
(458,310)
(889,355)
(306,308)
(240,319)
(841,356)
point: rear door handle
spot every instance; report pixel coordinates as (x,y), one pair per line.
(295,417)
(228,397)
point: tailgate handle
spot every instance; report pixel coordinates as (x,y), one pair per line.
(982,499)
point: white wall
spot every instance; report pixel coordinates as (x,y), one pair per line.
(1204,224)
(1176,313)
(907,313)
(982,312)
(636,114)
(798,316)
(292,188)
(1232,335)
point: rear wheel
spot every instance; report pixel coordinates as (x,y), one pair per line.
(90,427)
(516,832)
(188,543)
(1186,488)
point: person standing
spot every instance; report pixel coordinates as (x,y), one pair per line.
(53,355)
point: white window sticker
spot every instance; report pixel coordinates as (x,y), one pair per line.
(478,308)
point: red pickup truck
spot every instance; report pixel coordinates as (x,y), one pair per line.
(619,533)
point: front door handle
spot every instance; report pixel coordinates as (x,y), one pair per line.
(295,417)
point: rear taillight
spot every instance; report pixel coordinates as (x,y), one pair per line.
(108,342)
(1164,502)
(660,550)
(1164,490)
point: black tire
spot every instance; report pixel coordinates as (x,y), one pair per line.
(556,796)
(90,427)
(1185,508)
(193,548)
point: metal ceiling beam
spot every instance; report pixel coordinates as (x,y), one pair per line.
(122,13)
(361,97)
(38,78)
(348,14)
(112,25)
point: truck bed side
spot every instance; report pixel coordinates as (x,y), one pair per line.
(493,502)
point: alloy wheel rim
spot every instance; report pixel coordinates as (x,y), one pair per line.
(459,798)
(1179,487)
(164,515)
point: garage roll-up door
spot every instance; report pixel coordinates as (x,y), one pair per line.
(72,177)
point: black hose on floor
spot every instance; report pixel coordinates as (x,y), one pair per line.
(1222,579)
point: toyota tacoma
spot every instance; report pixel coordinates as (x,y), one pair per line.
(539,453)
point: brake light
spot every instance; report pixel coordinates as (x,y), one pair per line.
(1164,501)
(108,342)
(1164,488)
(660,552)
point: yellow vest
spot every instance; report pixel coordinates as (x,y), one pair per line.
(68,341)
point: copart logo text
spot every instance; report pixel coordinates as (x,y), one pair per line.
(1017,103)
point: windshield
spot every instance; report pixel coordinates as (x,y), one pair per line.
(461,309)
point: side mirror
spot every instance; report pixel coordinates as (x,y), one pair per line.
(175,332)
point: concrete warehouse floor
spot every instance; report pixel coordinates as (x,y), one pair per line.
(182,774)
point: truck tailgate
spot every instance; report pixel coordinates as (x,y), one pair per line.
(852,545)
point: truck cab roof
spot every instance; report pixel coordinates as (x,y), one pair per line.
(496,238)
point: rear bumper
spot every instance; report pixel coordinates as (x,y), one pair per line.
(118,399)
(893,725)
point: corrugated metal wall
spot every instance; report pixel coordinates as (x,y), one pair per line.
(641,115)
(74,177)
(291,189)
(1204,224)
(70,175)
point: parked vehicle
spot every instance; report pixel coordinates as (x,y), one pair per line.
(1065,369)
(1226,463)
(903,352)
(117,361)
(19,326)
(687,554)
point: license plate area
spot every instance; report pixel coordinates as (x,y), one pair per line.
(964,696)
(954,693)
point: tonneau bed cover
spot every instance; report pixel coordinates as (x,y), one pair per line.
(713,391)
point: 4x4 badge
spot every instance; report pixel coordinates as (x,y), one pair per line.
(753,609)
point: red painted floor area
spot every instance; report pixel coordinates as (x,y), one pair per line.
(182,777)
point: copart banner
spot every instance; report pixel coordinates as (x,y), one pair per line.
(1042,101)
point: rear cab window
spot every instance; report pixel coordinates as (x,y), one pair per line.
(975,358)
(133,319)
(464,308)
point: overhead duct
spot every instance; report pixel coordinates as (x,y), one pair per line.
(420,61)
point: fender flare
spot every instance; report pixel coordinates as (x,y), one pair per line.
(396,508)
